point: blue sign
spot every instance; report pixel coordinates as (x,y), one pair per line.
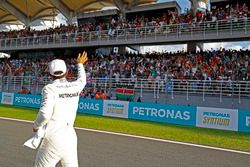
(27,100)
(0,97)
(90,106)
(175,114)
(244,120)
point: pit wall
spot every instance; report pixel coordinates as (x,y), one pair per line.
(207,117)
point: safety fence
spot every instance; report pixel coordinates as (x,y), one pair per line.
(202,88)
(173,32)
(216,118)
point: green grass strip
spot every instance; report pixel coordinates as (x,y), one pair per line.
(203,136)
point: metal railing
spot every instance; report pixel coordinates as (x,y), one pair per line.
(174,32)
(202,88)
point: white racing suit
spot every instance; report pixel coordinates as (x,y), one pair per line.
(58,111)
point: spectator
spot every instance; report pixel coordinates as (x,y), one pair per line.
(24,90)
(139,99)
(97,95)
(209,65)
(103,95)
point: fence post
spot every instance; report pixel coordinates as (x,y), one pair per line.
(203,94)
(117,35)
(126,34)
(8,83)
(217,29)
(204,30)
(239,93)
(172,90)
(95,85)
(135,32)
(1,83)
(231,27)
(220,92)
(167,28)
(14,87)
(141,89)
(29,83)
(245,26)
(154,90)
(191,30)
(233,96)
(155,32)
(158,90)
(90,36)
(177,31)
(187,92)
(36,90)
(105,84)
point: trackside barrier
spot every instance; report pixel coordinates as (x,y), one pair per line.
(174,114)
(215,118)
(115,108)
(244,120)
(26,100)
(7,98)
(90,106)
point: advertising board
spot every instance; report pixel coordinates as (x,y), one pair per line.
(176,114)
(217,118)
(90,106)
(115,108)
(244,120)
(7,98)
(27,100)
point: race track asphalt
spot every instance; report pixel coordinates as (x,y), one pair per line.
(97,149)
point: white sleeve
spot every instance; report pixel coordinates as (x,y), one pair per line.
(46,109)
(81,76)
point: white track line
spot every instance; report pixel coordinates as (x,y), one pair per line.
(145,138)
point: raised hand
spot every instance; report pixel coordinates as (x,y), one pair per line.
(82,58)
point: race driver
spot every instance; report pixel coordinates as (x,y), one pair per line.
(58,112)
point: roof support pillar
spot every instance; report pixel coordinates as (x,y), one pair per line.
(70,19)
(63,9)
(120,5)
(193,6)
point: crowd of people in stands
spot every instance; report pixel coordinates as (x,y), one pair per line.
(229,12)
(210,65)
(94,94)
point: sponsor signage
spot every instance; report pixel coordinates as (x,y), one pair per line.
(217,118)
(115,108)
(244,121)
(176,114)
(27,100)
(90,106)
(7,98)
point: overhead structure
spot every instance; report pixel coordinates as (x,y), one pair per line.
(27,11)
(6,17)
(123,5)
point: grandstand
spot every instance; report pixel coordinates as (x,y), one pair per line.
(206,78)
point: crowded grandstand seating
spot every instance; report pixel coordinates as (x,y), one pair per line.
(210,65)
(109,28)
